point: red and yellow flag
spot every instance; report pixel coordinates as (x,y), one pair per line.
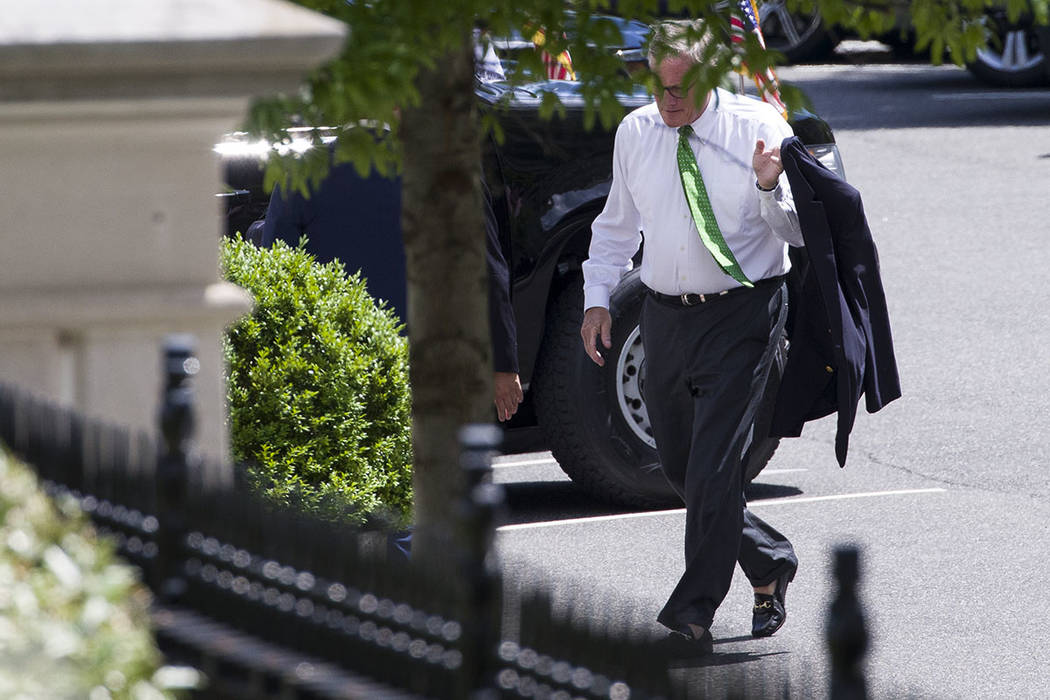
(558,68)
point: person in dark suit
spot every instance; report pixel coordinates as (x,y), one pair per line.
(354,219)
(695,174)
(841,345)
(507,392)
(358,221)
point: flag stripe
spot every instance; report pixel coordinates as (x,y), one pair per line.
(765,81)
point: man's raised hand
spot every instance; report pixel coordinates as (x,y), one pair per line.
(767,165)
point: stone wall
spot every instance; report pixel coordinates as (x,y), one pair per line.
(109,220)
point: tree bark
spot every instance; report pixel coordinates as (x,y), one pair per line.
(449,346)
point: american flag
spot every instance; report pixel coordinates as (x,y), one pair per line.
(767,80)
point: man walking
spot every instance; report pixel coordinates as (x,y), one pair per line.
(699,175)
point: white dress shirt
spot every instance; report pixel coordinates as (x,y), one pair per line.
(647,196)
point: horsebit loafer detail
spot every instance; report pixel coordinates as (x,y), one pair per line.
(769,612)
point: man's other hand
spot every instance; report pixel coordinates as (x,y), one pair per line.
(508,394)
(596,322)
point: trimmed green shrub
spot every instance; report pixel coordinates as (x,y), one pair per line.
(73,618)
(318,386)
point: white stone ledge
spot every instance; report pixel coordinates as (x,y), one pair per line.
(150,110)
(78,309)
(151,70)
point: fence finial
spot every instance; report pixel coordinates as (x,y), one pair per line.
(847,635)
(478,511)
(176,419)
(176,412)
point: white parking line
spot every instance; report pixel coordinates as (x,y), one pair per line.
(841,497)
(550,460)
(1004,95)
(592,519)
(523,463)
(677,511)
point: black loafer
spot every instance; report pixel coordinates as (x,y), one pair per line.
(769,612)
(683,645)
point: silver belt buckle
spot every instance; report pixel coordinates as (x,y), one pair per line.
(685,298)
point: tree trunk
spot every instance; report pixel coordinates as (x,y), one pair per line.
(449,345)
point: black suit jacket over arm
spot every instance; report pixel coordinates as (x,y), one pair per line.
(841,346)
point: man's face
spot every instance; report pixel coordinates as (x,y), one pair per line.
(677,101)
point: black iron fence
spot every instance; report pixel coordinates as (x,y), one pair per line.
(270,603)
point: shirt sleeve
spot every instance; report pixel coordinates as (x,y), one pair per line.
(615,234)
(777,207)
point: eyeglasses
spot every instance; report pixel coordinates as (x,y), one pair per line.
(678,92)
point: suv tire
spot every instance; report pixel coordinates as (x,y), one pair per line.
(1016,59)
(594,418)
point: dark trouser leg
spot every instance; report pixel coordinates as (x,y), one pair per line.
(705,367)
(764,554)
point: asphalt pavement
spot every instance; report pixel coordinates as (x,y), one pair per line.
(947,490)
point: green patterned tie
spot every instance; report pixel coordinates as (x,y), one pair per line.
(703,214)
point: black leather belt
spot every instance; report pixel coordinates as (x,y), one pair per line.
(692,299)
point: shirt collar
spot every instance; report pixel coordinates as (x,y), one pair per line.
(705,120)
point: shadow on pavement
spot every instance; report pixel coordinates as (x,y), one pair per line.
(721,659)
(539,501)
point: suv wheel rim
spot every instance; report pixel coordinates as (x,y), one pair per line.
(1020,52)
(630,388)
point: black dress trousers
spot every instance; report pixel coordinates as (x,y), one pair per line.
(706,365)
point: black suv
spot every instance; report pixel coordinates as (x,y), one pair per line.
(549,180)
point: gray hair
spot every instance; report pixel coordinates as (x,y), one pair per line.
(684,37)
